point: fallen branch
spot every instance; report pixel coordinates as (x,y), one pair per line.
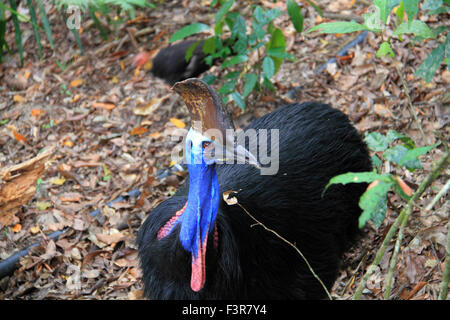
(441,165)
(18,185)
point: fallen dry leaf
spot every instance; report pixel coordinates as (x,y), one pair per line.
(16,228)
(178,123)
(106,106)
(35,229)
(76,83)
(110,238)
(138,130)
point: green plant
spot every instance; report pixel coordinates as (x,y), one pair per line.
(243,76)
(399,150)
(36,10)
(377,21)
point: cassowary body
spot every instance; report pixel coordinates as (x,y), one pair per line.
(245,261)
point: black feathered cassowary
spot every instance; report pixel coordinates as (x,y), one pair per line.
(170,63)
(244,261)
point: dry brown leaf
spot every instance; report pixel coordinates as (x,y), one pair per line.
(16,228)
(103,105)
(37,113)
(76,83)
(178,123)
(110,238)
(150,107)
(35,229)
(71,197)
(18,98)
(138,130)
(382,110)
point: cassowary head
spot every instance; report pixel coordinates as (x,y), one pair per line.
(208,136)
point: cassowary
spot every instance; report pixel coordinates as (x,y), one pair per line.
(196,246)
(170,63)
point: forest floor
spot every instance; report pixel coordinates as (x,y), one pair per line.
(112,132)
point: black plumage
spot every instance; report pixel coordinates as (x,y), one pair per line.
(170,63)
(316,143)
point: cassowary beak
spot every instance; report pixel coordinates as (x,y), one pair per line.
(236,153)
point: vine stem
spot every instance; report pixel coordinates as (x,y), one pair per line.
(441,165)
(289,243)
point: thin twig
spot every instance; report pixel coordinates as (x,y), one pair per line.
(413,112)
(441,165)
(438,196)
(292,245)
(446,273)
(387,291)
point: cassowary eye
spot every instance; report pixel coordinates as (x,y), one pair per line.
(206,144)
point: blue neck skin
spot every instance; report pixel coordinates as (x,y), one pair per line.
(204,195)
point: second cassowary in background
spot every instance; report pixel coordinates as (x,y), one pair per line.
(196,246)
(170,62)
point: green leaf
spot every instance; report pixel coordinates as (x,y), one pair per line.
(395,153)
(268,67)
(373,202)
(357,177)
(416,27)
(338,27)
(238,99)
(376,141)
(411,8)
(431,63)
(258,30)
(400,12)
(239,28)
(385,48)
(376,162)
(209,46)
(411,159)
(250,83)
(235,60)
(98,24)
(295,13)
(271,15)
(209,78)
(18,33)
(223,10)
(372,20)
(188,31)
(35,26)
(316,7)
(280,53)
(258,14)
(267,83)
(393,135)
(190,50)
(278,42)
(432,4)
(46,24)
(227,87)
(384,9)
